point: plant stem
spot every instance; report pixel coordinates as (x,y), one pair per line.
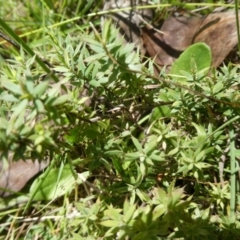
(233,172)
(237,24)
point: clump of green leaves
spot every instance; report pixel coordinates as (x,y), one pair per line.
(128,161)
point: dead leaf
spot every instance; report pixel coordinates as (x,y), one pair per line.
(166,48)
(221,36)
(15,176)
(218,30)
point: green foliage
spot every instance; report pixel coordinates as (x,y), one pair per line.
(127,162)
(52,184)
(194,59)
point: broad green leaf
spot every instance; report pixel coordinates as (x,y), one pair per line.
(54,184)
(195,58)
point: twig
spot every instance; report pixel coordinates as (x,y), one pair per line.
(237,24)
(151,26)
(233,173)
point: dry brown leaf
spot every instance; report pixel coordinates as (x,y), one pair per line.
(166,48)
(221,35)
(218,30)
(15,176)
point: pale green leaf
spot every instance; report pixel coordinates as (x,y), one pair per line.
(54,184)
